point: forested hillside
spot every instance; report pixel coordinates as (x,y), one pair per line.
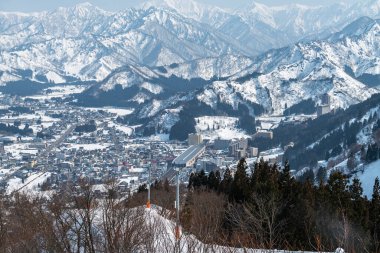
(259,208)
(268,208)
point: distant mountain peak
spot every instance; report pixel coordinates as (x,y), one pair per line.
(84,4)
(359,27)
(84,9)
(257,6)
(279,7)
(188,8)
(178,5)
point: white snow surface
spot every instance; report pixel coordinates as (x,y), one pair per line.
(371,171)
(214,127)
(305,70)
(128,130)
(58,91)
(165,240)
(17,149)
(89,147)
(31,183)
(114,110)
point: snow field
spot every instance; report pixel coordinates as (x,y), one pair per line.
(214,127)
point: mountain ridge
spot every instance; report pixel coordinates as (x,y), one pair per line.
(148,51)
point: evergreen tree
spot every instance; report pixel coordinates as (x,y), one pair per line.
(240,183)
(191,181)
(322,175)
(225,184)
(285,176)
(362,153)
(214,180)
(327,155)
(218,179)
(372,153)
(203,178)
(376,192)
(337,186)
(285,180)
(358,211)
(375,216)
(336,151)
(142,188)
(264,179)
(307,176)
(356,189)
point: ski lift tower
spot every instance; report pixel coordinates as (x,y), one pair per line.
(177,205)
(148,185)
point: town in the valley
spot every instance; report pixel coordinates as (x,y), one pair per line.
(47,144)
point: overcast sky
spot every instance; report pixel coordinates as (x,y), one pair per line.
(114,5)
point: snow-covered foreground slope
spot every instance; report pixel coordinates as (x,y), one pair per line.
(164,240)
(367,177)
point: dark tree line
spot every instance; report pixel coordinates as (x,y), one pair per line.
(43,135)
(269,208)
(186,123)
(305,106)
(14,129)
(327,131)
(195,108)
(372,152)
(331,145)
(86,128)
(20,109)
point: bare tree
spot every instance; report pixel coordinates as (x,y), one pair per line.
(206,216)
(3,224)
(258,221)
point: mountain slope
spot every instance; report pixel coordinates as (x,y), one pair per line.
(88,43)
(284,77)
(154,59)
(269,83)
(261,27)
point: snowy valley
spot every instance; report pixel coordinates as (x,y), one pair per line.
(266,118)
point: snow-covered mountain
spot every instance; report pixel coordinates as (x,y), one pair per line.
(261,27)
(87,43)
(345,141)
(284,77)
(346,66)
(298,21)
(163,55)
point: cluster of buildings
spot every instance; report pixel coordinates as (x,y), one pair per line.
(221,153)
(110,153)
